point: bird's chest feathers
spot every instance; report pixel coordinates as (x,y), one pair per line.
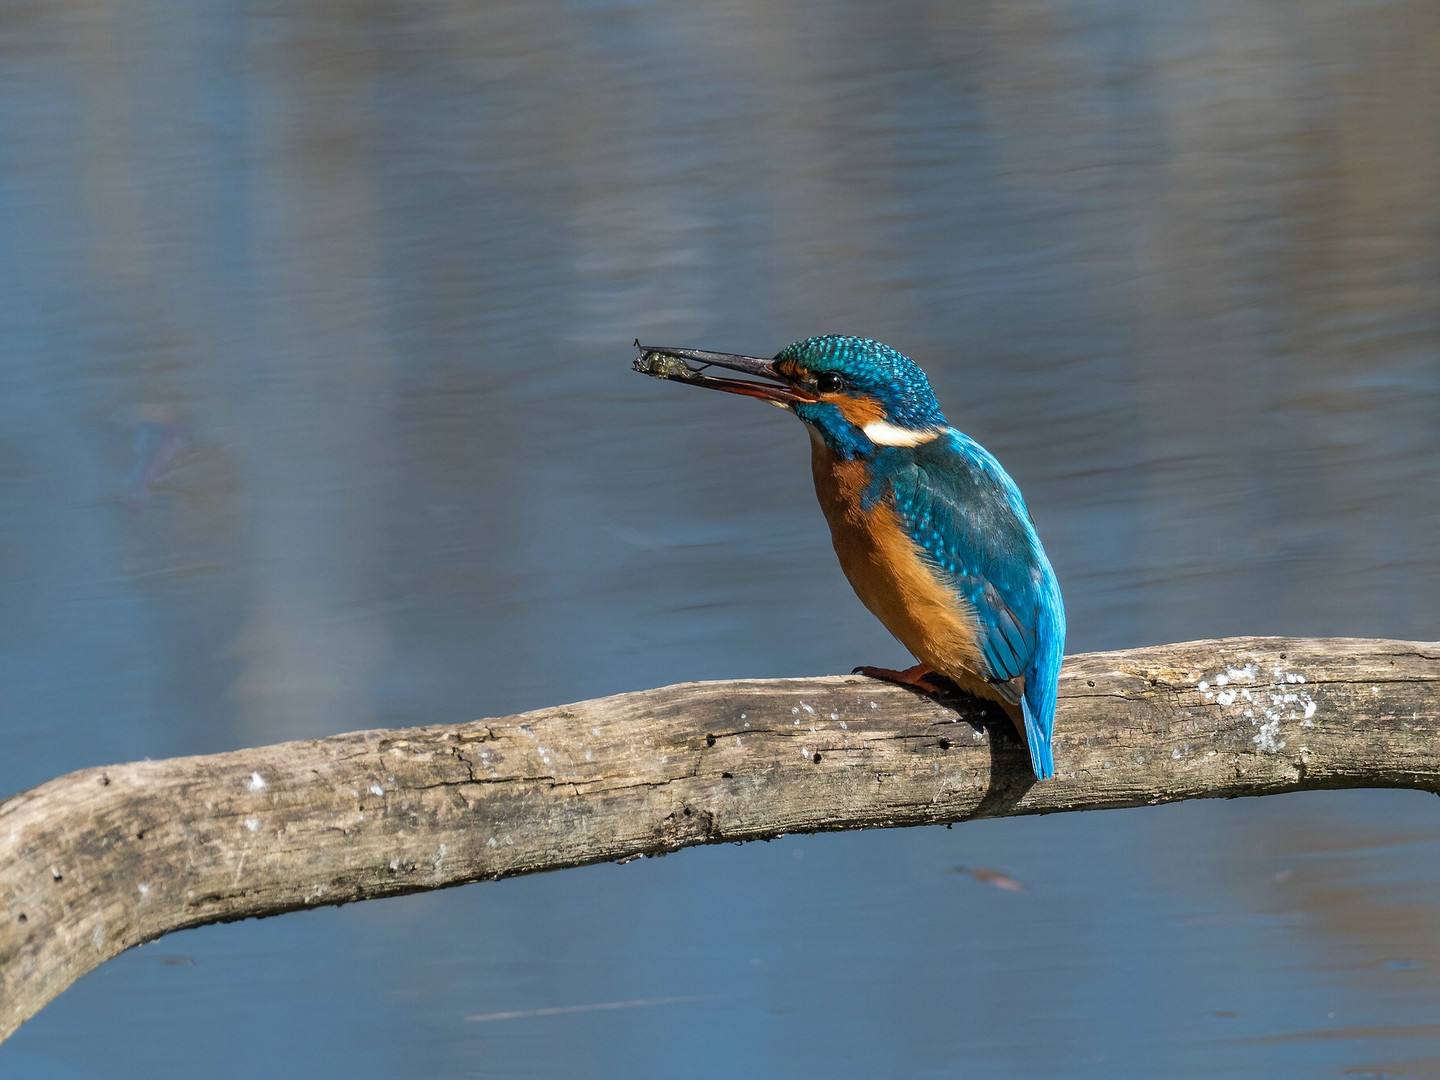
(891,577)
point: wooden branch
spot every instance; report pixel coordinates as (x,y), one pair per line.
(103,859)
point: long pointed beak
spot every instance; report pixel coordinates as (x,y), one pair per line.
(689,366)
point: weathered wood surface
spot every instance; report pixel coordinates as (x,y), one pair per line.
(103,859)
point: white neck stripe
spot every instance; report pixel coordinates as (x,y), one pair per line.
(884,433)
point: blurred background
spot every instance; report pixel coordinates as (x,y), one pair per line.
(316,414)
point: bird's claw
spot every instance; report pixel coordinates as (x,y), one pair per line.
(914,677)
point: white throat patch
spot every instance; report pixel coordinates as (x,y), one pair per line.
(884,433)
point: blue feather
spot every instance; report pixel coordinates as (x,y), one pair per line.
(959,505)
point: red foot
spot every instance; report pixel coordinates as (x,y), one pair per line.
(914,677)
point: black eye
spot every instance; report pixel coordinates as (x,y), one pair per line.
(827,382)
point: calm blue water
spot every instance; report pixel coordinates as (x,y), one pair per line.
(316,414)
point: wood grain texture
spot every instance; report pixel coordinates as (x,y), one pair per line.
(103,859)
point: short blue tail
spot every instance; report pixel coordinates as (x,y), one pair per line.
(1042,678)
(1037,734)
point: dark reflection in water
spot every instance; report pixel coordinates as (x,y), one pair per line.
(315,415)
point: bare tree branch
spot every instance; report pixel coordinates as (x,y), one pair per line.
(103,859)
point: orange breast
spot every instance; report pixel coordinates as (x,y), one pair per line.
(888,573)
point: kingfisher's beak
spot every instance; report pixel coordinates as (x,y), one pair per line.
(689,366)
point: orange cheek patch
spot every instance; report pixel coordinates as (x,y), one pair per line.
(859,411)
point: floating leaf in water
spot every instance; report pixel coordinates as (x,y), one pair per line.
(989,877)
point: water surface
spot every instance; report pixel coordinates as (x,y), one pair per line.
(315,415)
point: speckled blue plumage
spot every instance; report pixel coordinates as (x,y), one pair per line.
(871,368)
(960,507)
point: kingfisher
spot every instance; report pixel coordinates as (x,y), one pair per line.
(932,534)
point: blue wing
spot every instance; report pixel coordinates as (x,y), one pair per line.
(958,504)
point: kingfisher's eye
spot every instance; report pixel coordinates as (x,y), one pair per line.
(828,382)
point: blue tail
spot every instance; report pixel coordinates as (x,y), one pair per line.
(1037,734)
(1042,678)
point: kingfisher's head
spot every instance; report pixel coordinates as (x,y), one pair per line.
(855,394)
